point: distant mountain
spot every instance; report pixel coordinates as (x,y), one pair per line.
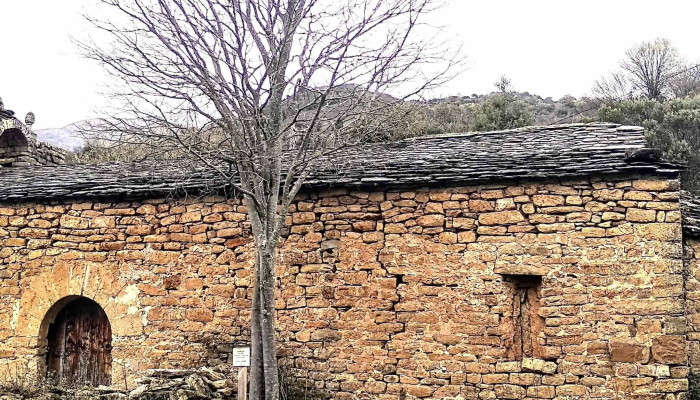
(67,138)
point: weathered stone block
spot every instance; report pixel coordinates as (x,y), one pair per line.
(670,385)
(655,185)
(560,227)
(103,222)
(522,379)
(608,194)
(546,200)
(71,222)
(659,231)
(501,218)
(480,206)
(364,226)
(521,269)
(628,350)
(669,349)
(510,392)
(491,379)
(541,392)
(303,217)
(508,366)
(575,391)
(639,215)
(613,216)
(463,223)
(419,391)
(433,220)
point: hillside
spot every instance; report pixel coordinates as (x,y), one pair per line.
(442,115)
(546,110)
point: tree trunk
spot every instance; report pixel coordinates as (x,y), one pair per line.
(264,371)
(267,292)
(257,379)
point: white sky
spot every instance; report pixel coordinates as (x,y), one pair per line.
(547,47)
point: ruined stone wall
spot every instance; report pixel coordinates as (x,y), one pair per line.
(387,295)
(19,147)
(33,153)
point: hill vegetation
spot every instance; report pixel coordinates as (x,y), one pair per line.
(499,110)
(654,88)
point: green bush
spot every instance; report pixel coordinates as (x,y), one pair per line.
(672,126)
(694,387)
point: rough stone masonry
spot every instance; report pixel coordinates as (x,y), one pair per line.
(19,146)
(421,282)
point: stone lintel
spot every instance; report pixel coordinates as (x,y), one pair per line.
(531,270)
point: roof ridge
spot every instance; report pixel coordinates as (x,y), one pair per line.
(529,128)
(545,152)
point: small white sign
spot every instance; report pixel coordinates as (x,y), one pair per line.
(241,357)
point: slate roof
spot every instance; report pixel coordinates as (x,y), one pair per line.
(573,150)
(690,210)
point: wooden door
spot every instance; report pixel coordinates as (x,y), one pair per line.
(80,345)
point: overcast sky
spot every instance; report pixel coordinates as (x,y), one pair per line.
(551,48)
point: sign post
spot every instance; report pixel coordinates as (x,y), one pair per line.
(241,359)
(243,384)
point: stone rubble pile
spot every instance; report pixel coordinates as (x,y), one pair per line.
(171,384)
(157,384)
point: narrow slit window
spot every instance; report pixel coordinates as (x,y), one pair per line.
(527,323)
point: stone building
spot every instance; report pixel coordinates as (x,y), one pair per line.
(19,146)
(530,264)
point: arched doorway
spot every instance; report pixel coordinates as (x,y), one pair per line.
(79,342)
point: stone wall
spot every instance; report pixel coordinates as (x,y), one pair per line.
(36,153)
(387,295)
(692,288)
(19,147)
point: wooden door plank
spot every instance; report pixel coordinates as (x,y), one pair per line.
(80,345)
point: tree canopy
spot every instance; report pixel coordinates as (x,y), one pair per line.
(672,126)
(650,70)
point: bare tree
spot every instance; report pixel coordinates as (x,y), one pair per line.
(687,80)
(614,88)
(651,67)
(261,92)
(648,70)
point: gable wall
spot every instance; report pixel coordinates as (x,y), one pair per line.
(387,294)
(692,289)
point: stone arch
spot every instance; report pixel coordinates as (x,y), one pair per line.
(46,290)
(50,317)
(77,338)
(13,137)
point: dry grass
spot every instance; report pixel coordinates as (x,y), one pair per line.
(299,388)
(23,382)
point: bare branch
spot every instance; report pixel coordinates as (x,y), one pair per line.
(260,92)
